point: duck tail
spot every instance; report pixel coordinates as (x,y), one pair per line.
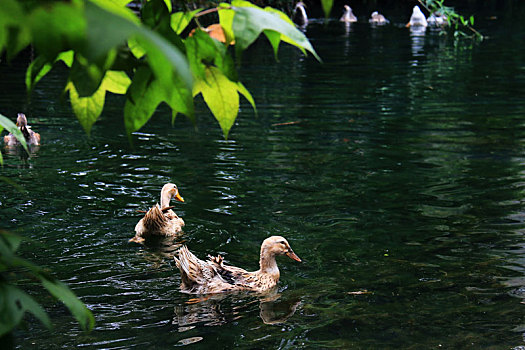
(154,219)
(191,267)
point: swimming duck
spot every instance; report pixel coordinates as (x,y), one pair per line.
(31,137)
(160,220)
(437,19)
(299,14)
(417,19)
(377,18)
(348,16)
(212,276)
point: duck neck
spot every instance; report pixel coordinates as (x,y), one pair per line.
(165,198)
(268,265)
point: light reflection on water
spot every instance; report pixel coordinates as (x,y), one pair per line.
(401,179)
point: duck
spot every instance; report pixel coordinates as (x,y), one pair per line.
(299,14)
(377,18)
(213,276)
(417,19)
(348,16)
(160,220)
(437,20)
(32,138)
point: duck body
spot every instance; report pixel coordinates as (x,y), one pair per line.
(213,276)
(32,138)
(417,19)
(377,18)
(437,20)
(160,220)
(299,14)
(348,16)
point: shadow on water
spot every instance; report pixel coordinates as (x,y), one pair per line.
(395,169)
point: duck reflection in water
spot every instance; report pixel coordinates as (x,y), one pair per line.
(219,309)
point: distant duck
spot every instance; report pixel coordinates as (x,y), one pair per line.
(213,276)
(377,18)
(160,221)
(31,137)
(417,19)
(299,14)
(348,15)
(437,20)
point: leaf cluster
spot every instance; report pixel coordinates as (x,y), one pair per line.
(150,57)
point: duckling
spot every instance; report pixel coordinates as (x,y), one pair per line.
(348,16)
(212,276)
(160,220)
(417,19)
(299,14)
(31,137)
(377,18)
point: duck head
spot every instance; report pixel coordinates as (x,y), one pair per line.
(21,120)
(277,245)
(169,191)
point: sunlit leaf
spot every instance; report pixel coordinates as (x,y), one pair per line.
(243,91)
(249,22)
(41,66)
(180,20)
(221,96)
(116,82)
(87,109)
(62,292)
(13,129)
(86,76)
(226,20)
(135,48)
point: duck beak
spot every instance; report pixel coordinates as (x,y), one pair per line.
(292,255)
(179,198)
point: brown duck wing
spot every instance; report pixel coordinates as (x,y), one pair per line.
(194,271)
(154,220)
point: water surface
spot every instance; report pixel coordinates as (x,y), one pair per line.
(395,169)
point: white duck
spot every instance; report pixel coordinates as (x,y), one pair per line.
(417,19)
(299,14)
(348,16)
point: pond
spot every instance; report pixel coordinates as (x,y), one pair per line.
(395,169)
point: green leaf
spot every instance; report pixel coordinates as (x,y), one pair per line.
(242,89)
(14,303)
(116,82)
(220,94)
(75,306)
(86,76)
(13,129)
(249,22)
(87,109)
(180,20)
(41,66)
(327,7)
(144,95)
(135,48)
(36,71)
(226,15)
(52,34)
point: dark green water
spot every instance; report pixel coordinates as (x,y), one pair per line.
(402,175)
